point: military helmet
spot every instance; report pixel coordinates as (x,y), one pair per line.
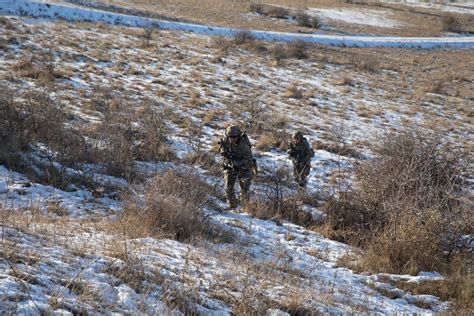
(297,135)
(233,131)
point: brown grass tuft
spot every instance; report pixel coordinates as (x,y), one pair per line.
(172,206)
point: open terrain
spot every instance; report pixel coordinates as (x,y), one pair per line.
(74,238)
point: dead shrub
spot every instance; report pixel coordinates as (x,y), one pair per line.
(243,37)
(40,67)
(337,148)
(293,91)
(451,23)
(147,36)
(275,201)
(257,8)
(172,205)
(304,19)
(6,23)
(153,135)
(407,208)
(37,124)
(366,64)
(274,134)
(133,273)
(116,148)
(127,134)
(297,49)
(253,115)
(200,155)
(458,289)
(278,53)
(223,44)
(277,12)
(12,130)
(437,87)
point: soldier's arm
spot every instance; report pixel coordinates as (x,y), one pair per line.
(222,147)
(247,156)
(309,152)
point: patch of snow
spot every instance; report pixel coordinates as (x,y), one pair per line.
(363,17)
(75,13)
(462,7)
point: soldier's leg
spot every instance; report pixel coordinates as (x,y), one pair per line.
(229,183)
(245,179)
(296,173)
(304,173)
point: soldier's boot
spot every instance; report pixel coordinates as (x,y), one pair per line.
(245,191)
(232,202)
(245,201)
(302,185)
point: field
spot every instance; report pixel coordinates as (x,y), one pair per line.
(111,191)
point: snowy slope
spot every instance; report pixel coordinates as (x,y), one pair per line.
(70,262)
(71,12)
(65,265)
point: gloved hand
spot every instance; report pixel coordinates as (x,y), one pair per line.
(238,163)
(291,152)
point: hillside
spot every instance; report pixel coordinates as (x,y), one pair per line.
(111,192)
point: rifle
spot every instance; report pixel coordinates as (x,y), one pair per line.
(226,153)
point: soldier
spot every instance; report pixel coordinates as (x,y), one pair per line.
(300,154)
(237,164)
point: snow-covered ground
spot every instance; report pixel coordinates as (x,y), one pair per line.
(59,253)
(64,266)
(365,17)
(75,13)
(462,7)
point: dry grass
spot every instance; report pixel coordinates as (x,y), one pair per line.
(297,49)
(416,21)
(293,91)
(304,19)
(172,206)
(414,171)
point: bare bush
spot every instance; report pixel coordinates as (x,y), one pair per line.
(366,64)
(304,19)
(279,53)
(147,35)
(152,138)
(199,156)
(12,134)
(257,7)
(277,12)
(297,49)
(223,44)
(37,124)
(116,150)
(293,91)
(172,205)
(40,67)
(127,134)
(275,201)
(243,37)
(451,23)
(407,208)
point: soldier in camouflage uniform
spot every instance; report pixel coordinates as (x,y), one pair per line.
(236,150)
(300,154)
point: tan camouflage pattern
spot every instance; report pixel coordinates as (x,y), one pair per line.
(301,154)
(240,168)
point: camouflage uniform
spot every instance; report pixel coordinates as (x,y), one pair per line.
(237,164)
(300,154)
